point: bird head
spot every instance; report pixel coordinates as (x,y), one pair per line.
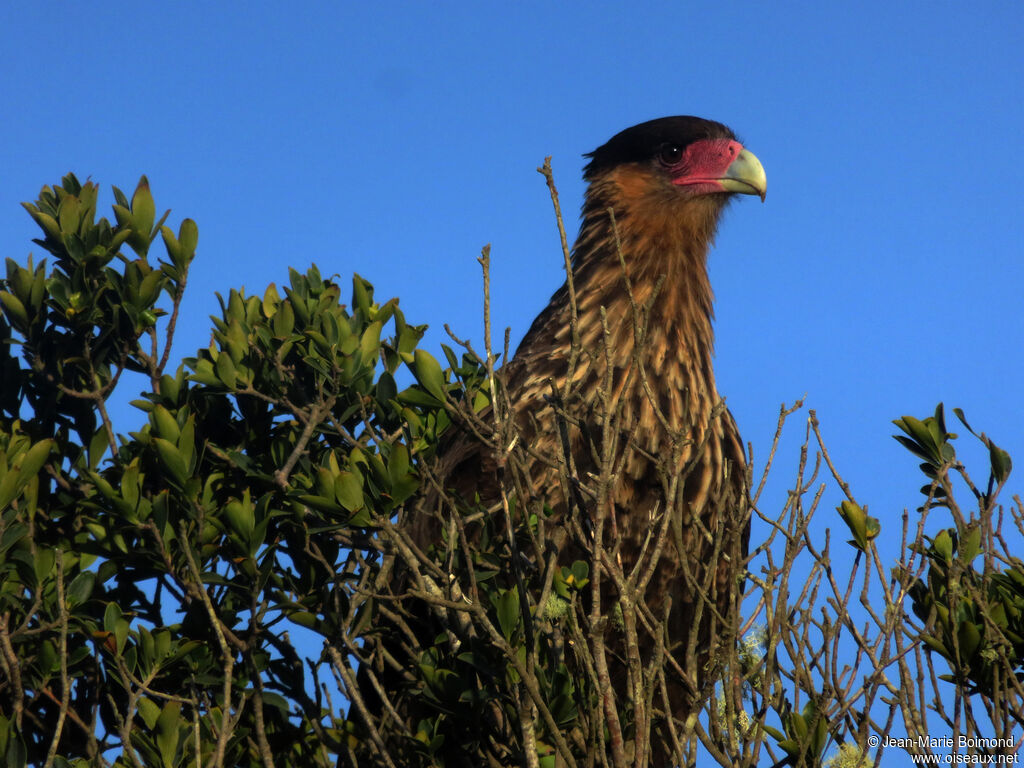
(686,157)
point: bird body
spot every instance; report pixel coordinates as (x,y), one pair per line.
(644,311)
(632,401)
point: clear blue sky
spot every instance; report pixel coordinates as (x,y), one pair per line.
(882,275)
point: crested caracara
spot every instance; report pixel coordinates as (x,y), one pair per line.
(635,408)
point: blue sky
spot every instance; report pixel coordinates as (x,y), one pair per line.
(882,275)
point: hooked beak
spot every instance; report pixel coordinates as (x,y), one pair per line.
(745,176)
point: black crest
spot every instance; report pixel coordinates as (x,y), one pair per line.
(642,142)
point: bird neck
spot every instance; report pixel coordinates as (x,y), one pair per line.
(663,245)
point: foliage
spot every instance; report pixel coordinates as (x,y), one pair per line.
(145,595)
(234,583)
(974,619)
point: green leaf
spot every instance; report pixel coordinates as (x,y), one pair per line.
(284,320)
(98,445)
(149,288)
(46,222)
(236,340)
(143,209)
(369,344)
(348,489)
(798,726)
(362,295)
(121,629)
(34,459)
(319,503)
(168,733)
(171,244)
(166,424)
(80,588)
(398,463)
(936,645)
(12,534)
(170,386)
(24,469)
(188,237)
(241,516)
(872,528)
(124,218)
(118,240)
(508,612)
(172,460)
(226,371)
(9,487)
(969,638)
(161,644)
(418,397)
(271,301)
(970,544)
(963,420)
(428,373)
(15,310)
(149,711)
(856,521)
(187,442)
(17,752)
(304,619)
(1000,461)
(386,389)
(943,544)
(69,215)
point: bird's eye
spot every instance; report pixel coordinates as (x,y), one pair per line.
(669,154)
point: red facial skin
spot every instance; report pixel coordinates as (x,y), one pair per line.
(703,163)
